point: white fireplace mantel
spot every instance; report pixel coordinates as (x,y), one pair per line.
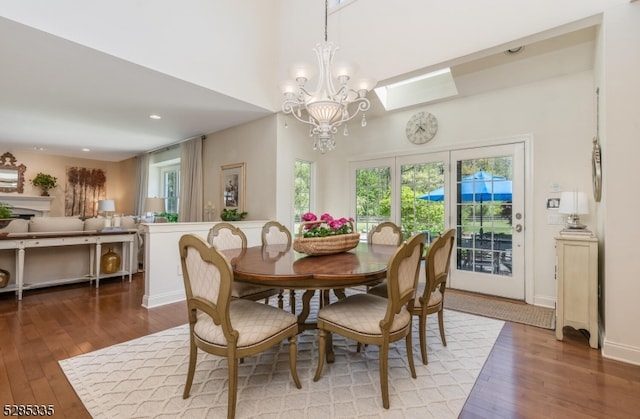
(39,206)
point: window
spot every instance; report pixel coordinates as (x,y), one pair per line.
(164,177)
(302,193)
(373,197)
(171,186)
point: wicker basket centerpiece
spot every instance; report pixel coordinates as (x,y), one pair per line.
(326,236)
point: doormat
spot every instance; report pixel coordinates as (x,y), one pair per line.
(498,308)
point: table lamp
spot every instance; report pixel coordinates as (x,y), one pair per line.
(573,204)
(154,205)
(107,207)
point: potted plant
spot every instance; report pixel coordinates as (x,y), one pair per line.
(44,182)
(5,214)
(232,215)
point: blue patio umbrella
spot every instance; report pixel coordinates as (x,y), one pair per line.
(479,187)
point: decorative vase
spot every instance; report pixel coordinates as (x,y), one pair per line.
(110,262)
(5,276)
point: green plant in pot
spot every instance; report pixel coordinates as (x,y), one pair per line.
(44,182)
(5,210)
(232,215)
(5,214)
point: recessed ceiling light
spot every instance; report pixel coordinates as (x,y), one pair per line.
(513,51)
(154,116)
(86,149)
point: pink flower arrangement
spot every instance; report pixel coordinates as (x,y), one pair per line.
(326,226)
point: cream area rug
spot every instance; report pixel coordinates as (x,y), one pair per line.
(144,378)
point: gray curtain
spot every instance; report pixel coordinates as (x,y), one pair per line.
(191,189)
(142,174)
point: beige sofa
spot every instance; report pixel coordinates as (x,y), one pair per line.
(51,265)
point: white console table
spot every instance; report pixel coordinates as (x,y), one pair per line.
(21,242)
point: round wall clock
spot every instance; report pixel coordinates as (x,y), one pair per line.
(596,170)
(421,127)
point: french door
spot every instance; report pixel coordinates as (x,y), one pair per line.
(487,207)
(429,193)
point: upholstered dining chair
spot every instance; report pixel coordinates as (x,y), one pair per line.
(226,236)
(374,320)
(274,233)
(386,233)
(430,294)
(226,326)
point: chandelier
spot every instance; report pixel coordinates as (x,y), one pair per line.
(328,106)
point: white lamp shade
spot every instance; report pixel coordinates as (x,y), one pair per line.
(573,203)
(106,205)
(154,205)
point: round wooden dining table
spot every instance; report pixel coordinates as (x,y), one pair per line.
(279,266)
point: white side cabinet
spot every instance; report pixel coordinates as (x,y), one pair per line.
(577,280)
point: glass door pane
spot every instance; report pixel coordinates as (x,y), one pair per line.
(487,188)
(373,197)
(484,195)
(419,213)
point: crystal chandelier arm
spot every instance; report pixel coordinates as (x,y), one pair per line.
(293,107)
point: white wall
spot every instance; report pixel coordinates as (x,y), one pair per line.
(253,144)
(201,41)
(620,151)
(391,38)
(163,282)
(556,113)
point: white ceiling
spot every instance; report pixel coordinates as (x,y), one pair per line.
(61,96)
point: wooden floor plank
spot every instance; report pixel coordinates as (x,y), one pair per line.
(529,374)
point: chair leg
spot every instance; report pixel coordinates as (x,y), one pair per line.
(321,353)
(384,377)
(293,354)
(441,324)
(193,357)
(412,365)
(422,327)
(233,387)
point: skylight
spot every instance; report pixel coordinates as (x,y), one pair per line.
(420,89)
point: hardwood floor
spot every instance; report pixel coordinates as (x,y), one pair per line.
(529,374)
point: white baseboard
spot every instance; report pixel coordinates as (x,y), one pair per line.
(620,352)
(544,301)
(163,299)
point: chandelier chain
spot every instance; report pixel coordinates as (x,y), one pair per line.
(326,18)
(327,107)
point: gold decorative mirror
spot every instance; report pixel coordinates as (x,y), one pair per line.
(11,175)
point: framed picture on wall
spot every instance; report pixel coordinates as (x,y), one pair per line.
(232,178)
